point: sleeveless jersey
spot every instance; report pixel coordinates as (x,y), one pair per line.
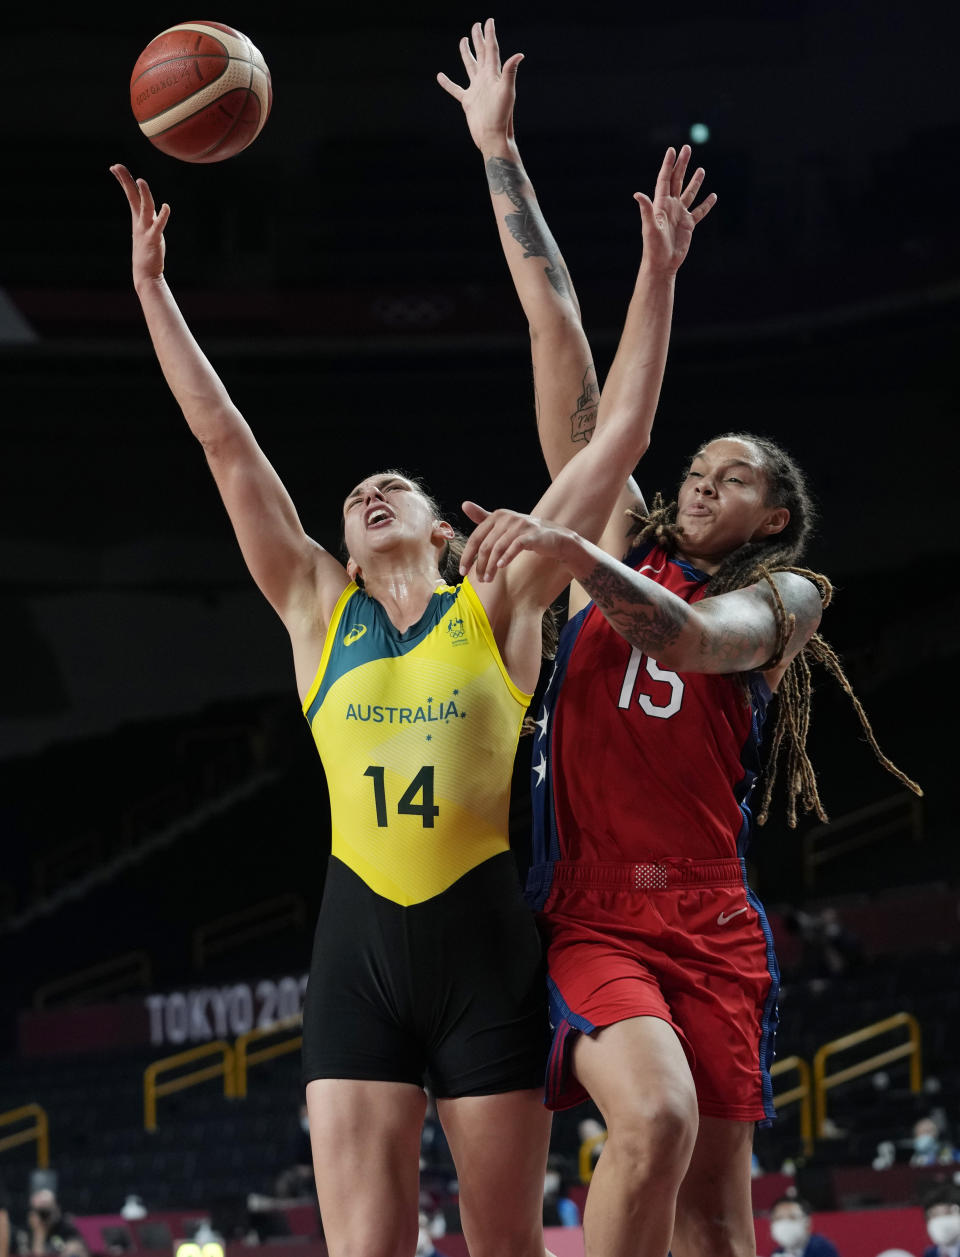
(417,732)
(633,762)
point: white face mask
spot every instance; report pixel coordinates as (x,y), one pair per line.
(790,1233)
(944,1228)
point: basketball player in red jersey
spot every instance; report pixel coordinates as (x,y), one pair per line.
(663,980)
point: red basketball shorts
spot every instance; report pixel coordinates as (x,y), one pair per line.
(682,940)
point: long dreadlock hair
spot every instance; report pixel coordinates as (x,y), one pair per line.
(758,560)
(449,564)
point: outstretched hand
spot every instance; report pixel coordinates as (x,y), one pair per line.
(490,93)
(148,225)
(501,535)
(669,219)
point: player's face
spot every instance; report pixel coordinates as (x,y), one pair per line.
(381,512)
(723,501)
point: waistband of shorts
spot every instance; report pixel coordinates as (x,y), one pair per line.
(648,875)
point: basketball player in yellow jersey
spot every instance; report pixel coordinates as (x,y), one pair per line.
(415,679)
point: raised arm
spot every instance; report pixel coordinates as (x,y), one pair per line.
(565,382)
(529,577)
(588,487)
(299,579)
(733,632)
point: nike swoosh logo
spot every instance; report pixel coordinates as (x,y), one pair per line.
(724,917)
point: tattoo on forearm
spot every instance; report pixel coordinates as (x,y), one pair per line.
(584,418)
(645,617)
(734,649)
(527,226)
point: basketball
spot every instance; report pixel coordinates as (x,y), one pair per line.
(201,91)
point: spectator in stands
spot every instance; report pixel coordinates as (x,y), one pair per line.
(559,1209)
(425,1244)
(942,1210)
(790,1226)
(4,1222)
(931,1145)
(830,948)
(48,1230)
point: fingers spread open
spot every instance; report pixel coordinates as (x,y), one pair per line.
(491,47)
(469,61)
(125,179)
(448,85)
(147,208)
(666,172)
(703,209)
(511,64)
(679,170)
(480,49)
(690,191)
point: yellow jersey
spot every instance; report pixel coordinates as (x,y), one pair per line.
(417,732)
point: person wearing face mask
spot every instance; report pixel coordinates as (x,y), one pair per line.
(942,1209)
(48,1230)
(929,1145)
(790,1228)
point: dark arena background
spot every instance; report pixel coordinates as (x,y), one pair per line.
(163,815)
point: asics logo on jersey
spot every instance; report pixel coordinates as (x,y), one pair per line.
(355,633)
(724,917)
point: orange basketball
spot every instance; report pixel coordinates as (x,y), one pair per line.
(201,91)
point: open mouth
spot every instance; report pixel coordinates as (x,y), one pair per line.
(380,515)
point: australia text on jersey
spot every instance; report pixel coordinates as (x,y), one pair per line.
(429,713)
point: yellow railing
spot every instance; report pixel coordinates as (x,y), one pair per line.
(824,1082)
(802,1093)
(152,1089)
(121,976)
(39,1131)
(586,1155)
(244,1058)
(899,816)
(225,933)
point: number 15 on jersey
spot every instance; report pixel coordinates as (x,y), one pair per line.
(667,693)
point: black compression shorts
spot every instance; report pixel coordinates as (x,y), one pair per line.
(449,993)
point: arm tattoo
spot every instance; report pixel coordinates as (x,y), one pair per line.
(527,226)
(643,613)
(584,418)
(748,642)
(734,649)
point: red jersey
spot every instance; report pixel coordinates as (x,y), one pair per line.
(633,762)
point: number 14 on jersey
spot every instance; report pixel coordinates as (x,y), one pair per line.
(407,805)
